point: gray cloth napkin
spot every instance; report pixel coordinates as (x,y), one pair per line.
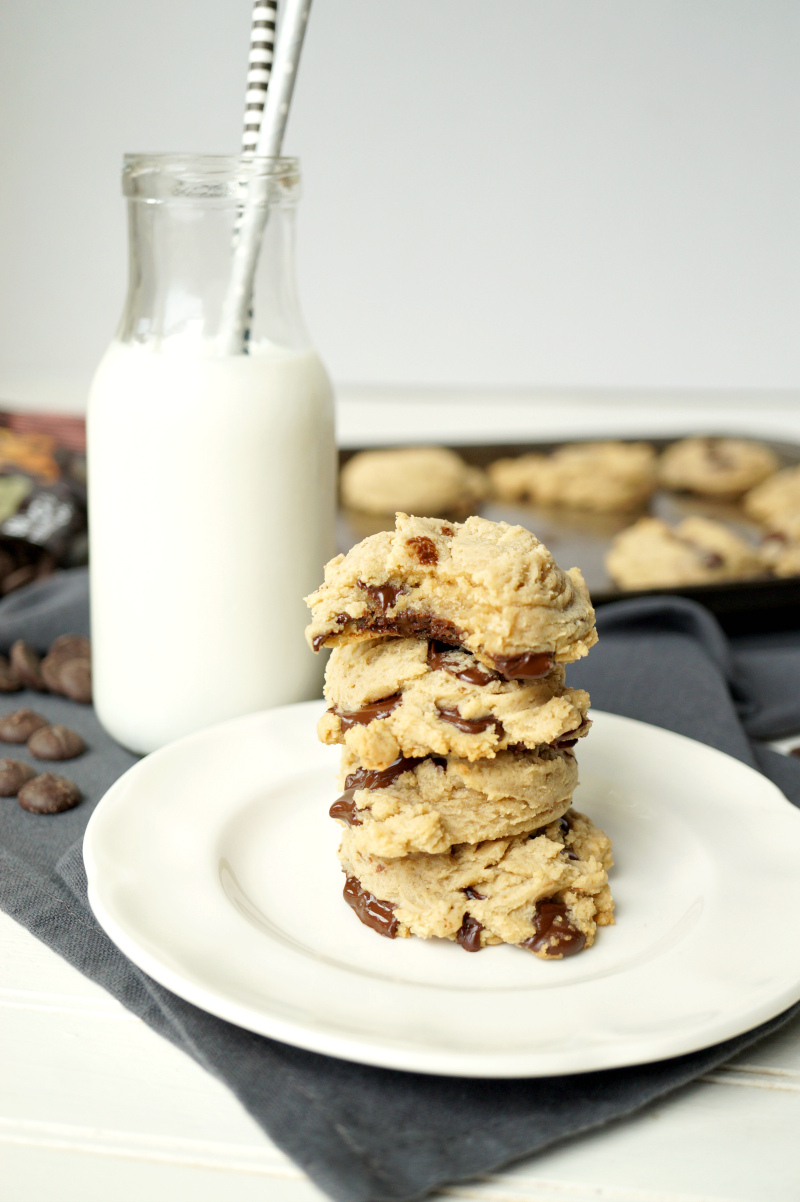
(367,1134)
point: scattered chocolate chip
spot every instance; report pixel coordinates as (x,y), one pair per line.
(555,935)
(71,646)
(9,681)
(424,548)
(55,743)
(473,894)
(370,713)
(469,934)
(28,666)
(447,531)
(345,809)
(379,915)
(470,726)
(20,725)
(17,578)
(565,825)
(49,794)
(712,560)
(51,672)
(13,775)
(75,678)
(569,853)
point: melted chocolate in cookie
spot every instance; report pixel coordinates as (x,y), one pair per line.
(474,674)
(371,778)
(424,548)
(470,726)
(345,809)
(469,934)
(531,666)
(473,894)
(385,594)
(379,915)
(555,934)
(370,713)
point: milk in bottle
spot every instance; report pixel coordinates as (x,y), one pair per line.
(211,474)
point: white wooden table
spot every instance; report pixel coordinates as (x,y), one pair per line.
(95,1107)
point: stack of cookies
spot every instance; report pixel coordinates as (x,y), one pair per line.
(446,690)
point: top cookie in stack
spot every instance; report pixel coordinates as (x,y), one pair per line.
(446,686)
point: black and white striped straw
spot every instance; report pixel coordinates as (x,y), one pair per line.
(259,69)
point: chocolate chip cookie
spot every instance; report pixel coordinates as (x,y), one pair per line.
(716,467)
(430,804)
(651,554)
(431,480)
(599,476)
(409,697)
(546,892)
(491,588)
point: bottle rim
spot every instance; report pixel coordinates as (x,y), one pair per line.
(188,176)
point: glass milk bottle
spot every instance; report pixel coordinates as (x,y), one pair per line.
(211,469)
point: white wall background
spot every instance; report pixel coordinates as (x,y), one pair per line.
(518,193)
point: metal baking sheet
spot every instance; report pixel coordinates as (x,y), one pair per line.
(580,539)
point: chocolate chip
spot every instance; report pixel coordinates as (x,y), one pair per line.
(470,726)
(385,594)
(469,934)
(565,825)
(438,661)
(75,678)
(17,578)
(473,894)
(424,548)
(19,726)
(370,713)
(71,646)
(555,936)
(374,913)
(28,666)
(13,775)
(49,794)
(9,681)
(345,809)
(55,743)
(372,778)
(531,666)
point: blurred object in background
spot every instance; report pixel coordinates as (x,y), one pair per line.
(42,496)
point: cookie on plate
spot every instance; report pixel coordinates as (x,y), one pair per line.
(546,892)
(651,554)
(395,697)
(716,467)
(600,476)
(491,588)
(430,480)
(428,805)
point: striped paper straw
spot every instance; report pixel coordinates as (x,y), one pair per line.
(259,67)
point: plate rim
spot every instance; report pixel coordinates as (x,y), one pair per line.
(372,1051)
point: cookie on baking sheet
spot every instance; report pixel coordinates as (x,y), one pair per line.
(716,467)
(776,502)
(427,805)
(546,892)
(393,697)
(651,554)
(601,476)
(780,552)
(491,588)
(429,480)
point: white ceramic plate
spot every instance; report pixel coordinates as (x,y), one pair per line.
(212,865)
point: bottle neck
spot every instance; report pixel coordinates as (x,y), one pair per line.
(181,253)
